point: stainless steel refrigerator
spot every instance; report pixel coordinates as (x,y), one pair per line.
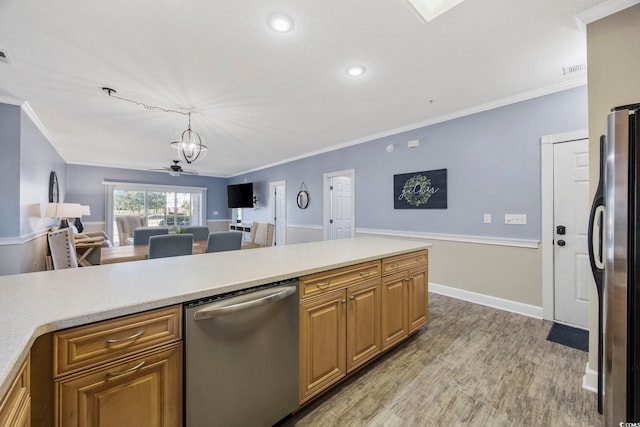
(614,250)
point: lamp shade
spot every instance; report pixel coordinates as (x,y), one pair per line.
(51,211)
(69,210)
(86,210)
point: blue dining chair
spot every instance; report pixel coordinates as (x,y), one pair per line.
(170,245)
(141,234)
(199,232)
(221,241)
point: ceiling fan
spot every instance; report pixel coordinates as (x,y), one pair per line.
(176,170)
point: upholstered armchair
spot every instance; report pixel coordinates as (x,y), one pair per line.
(126,224)
(262,233)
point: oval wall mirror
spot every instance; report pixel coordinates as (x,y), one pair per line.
(303,199)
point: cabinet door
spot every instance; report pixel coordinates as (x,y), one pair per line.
(395,325)
(323,325)
(143,391)
(363,323)
(418,292)
(15,407)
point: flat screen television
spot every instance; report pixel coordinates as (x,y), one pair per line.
(240,195)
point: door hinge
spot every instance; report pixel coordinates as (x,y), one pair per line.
(330,221)
(331,187)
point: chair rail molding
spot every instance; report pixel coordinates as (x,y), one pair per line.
(483,240)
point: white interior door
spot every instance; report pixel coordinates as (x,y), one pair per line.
(278,203)
(339,221)
(571,205)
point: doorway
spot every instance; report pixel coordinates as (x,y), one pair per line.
(339,205)
(278,211)
(567,280)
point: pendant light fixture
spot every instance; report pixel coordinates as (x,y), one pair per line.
(190,147)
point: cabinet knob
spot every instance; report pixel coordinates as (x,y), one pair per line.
(343,301)
(352,297)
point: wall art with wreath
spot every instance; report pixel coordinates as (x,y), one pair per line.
(420,190)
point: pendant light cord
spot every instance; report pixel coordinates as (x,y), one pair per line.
(111,93)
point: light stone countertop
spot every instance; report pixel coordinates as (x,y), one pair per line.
(34,304)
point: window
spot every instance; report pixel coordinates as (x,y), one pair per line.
(163,206)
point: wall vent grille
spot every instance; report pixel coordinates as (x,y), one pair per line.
(573,69)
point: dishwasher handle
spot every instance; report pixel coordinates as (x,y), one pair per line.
(231,305)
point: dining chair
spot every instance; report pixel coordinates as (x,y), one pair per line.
(262,233)
(221,241)
(141,235)
(126,224)
(63,251)
(199,232)
(163,246)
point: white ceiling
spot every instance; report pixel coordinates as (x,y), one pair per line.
(259,97)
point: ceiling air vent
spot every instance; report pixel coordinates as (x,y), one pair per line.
(573,69)
(4,57)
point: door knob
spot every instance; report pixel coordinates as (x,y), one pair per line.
(561,243)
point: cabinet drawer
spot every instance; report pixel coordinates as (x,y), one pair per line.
(16,399)
(318,283)
(403,262)
(101,342)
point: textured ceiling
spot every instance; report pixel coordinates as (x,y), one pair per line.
(259,97)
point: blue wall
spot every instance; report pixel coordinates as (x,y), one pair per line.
(10,166)
(84,186)
(37,159)
(492,160)
(26,160)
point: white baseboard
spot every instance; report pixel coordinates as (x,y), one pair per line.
(590,380)
(494,302)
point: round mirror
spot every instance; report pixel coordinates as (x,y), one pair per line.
(303,199)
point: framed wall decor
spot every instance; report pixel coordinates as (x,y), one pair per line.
(420,190)
(54,196)
(302,200)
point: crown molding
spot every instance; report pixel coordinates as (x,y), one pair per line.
(547,90)
(604,9)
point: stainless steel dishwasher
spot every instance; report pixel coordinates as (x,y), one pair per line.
(241,357)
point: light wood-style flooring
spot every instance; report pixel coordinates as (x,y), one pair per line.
(471,365)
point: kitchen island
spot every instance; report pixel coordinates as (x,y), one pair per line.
(35,304)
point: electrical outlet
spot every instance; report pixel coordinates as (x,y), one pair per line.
(487,218)
(515,219)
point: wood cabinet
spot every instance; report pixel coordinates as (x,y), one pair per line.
(142,391)
(323,330)
(363,323)
(15,408)
(339,325)
(350,315)
(125,371)
(405,296)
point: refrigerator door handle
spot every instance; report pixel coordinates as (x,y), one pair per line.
(597,260)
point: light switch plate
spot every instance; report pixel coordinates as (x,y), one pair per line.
(487,218)
(515,219)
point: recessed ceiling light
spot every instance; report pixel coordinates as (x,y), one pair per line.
(280,23)
(355,70)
